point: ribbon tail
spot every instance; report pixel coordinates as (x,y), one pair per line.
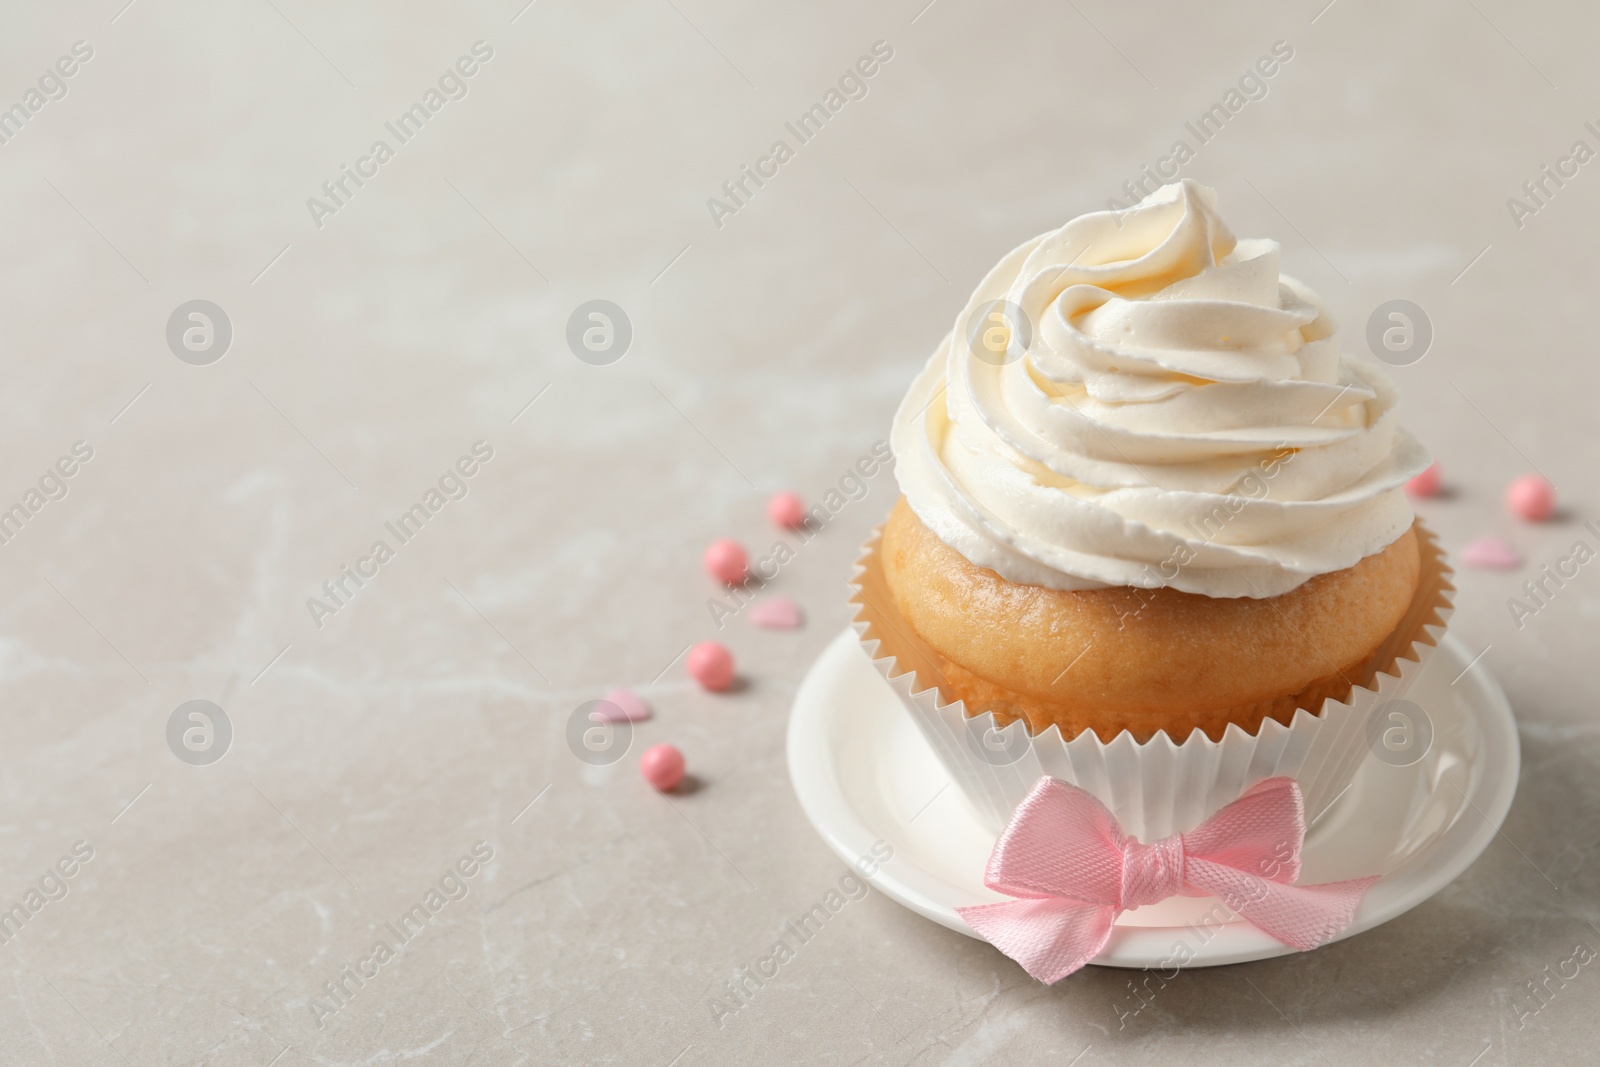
(1301,916)
(1050,937)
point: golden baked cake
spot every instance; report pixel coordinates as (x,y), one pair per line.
(1140,660)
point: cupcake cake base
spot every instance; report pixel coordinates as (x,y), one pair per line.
(1143,660)
(1159,785)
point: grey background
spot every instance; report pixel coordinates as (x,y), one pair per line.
(429,713)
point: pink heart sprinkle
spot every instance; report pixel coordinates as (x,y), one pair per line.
(776,613)
(1492,552)
(629,708)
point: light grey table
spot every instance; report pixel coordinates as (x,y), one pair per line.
(377,337)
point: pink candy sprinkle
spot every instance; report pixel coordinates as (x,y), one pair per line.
(662,766)
(787,509)
(711,665)
(625,706)
(1427,483)
(776,613)
(1532,497)
(1491,552)
(727,561)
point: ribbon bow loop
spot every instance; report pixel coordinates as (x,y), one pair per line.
(1071,871)
(1067,845)
(1263,831)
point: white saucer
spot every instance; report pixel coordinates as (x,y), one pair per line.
(864,774)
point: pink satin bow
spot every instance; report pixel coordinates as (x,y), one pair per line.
(1073,871)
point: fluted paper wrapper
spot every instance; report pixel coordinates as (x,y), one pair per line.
(1158,787)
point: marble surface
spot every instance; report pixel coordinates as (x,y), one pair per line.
(375,746)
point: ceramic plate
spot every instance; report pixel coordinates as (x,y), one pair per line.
(864,774)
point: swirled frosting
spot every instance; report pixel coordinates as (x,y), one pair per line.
(1139,399)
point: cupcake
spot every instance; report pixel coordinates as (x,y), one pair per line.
(1149,510)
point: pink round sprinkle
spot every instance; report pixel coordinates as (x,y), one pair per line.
(1427,483)
(787,509)
(711,665)
(662,766)
(1532,497)
(727,561)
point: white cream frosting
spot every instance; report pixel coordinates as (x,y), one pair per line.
(1169,410)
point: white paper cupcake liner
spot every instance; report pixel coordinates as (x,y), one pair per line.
(1157,787)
